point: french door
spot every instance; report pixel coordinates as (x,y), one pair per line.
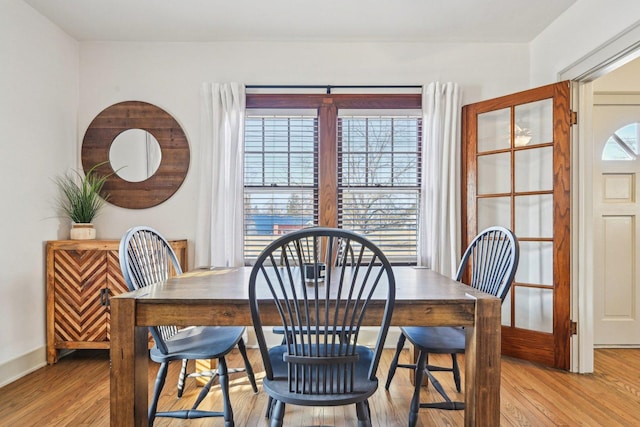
(516,173)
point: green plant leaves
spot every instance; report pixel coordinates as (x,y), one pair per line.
(80,196)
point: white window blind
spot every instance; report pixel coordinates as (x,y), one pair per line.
(379,170)
(280,177)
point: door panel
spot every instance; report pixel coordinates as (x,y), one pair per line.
(616,210)
(516,170)
(80,276)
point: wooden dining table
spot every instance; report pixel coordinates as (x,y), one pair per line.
(219,296)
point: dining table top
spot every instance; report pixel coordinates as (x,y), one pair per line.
(228,288)
(230,284)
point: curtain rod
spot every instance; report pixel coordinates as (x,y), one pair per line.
(329,87)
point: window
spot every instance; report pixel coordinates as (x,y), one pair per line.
(623,144)
(379,181)
(349,161)
(280,177)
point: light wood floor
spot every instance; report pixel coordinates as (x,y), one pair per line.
(75,392)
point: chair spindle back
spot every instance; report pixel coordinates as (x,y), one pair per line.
(147,258)
(322,281)
(491,261)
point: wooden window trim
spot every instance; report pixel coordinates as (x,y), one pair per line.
(327,106)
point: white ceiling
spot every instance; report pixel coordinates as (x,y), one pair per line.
(303,20)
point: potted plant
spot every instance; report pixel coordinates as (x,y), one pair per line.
(80,200)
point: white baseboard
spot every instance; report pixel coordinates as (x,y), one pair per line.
(21,366)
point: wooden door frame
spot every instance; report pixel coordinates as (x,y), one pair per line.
(619,50)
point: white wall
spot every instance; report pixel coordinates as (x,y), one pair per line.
(38,106)
(169,75)
(624,79)
(583,28)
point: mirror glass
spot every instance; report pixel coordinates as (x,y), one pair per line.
(135,155)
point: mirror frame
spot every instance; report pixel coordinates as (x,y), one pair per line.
(174,163)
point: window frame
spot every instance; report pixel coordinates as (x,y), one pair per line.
(327,107)
(269,184)
(404,190)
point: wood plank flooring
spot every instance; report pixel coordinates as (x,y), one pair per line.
(75,392)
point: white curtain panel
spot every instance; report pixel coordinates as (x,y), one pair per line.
(439,231)
(219,215)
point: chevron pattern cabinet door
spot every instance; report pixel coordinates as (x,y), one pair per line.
(80,277)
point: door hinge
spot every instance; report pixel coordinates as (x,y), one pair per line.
(574,328)
(574,117)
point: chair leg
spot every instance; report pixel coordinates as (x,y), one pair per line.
(448,403)
(277,414)
(247,365)
(182,377)
(456,371)
(160,379)
(364,414)
(394,362)
(267,415)
(205,390)
(415,400)
(224,386)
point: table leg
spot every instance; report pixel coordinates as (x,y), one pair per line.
(482,366)
(129,366)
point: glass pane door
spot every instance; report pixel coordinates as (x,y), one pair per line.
(516,161)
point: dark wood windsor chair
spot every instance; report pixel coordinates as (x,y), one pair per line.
(491,261)
(146,258)
(321,362)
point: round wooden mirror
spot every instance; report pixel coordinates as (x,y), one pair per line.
(174,147)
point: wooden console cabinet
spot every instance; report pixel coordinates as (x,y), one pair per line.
(81,277)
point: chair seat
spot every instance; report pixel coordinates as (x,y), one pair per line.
(278,387)
(199,342)
(436,339)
